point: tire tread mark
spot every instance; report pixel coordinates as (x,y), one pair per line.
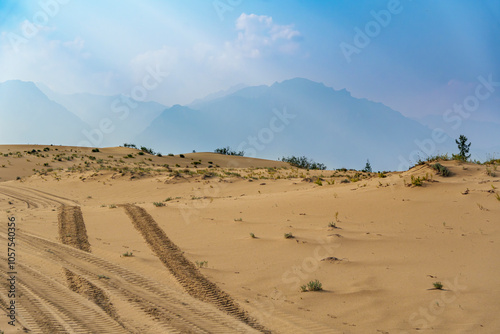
(184,270)
(150,297)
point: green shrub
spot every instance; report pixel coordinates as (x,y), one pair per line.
(438,285)
(314,286)
(95,150)
(201,264)
(127,254)
(147,150)
(289,235)
(442,170)
(227,151)
(252,236)
(303,162)
(416,181)
(158,204)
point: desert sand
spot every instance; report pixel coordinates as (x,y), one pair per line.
(121,242)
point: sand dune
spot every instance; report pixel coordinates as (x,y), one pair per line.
(118,242)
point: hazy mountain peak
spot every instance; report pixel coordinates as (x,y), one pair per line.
(219,94)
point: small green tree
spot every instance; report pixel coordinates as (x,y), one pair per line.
(463,147)
(368,167)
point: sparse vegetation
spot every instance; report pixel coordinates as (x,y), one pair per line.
(332,225)
(112,206)
(95,150)
(127,254)
(238,219)
(312,286)
(491,172)
(228,151)
(303,162)
(147,150)
(253,236)
(416,181)
(438,285)
(442,170)
(481,207)
(201,264)
(289,235)
(158,204)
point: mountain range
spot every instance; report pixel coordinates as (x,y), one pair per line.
(294,117)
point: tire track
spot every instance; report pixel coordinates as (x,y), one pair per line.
(14,195)
(172,310)
(182,269)
(49,196)
(58,310)
(72,229)
(72,232)
(35,198)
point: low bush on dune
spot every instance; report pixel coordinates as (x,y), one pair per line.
(303,162)
(147,150)
(201,264)
(441,170)
(228,151)
(312,286)
(438,285)
(416,181)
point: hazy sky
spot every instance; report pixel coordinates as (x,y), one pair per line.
(418,57)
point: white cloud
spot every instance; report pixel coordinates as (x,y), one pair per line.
(258,36)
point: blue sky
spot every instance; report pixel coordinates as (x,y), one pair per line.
(423,58)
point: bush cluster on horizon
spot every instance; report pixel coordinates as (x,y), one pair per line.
(303,162)
(227,151)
